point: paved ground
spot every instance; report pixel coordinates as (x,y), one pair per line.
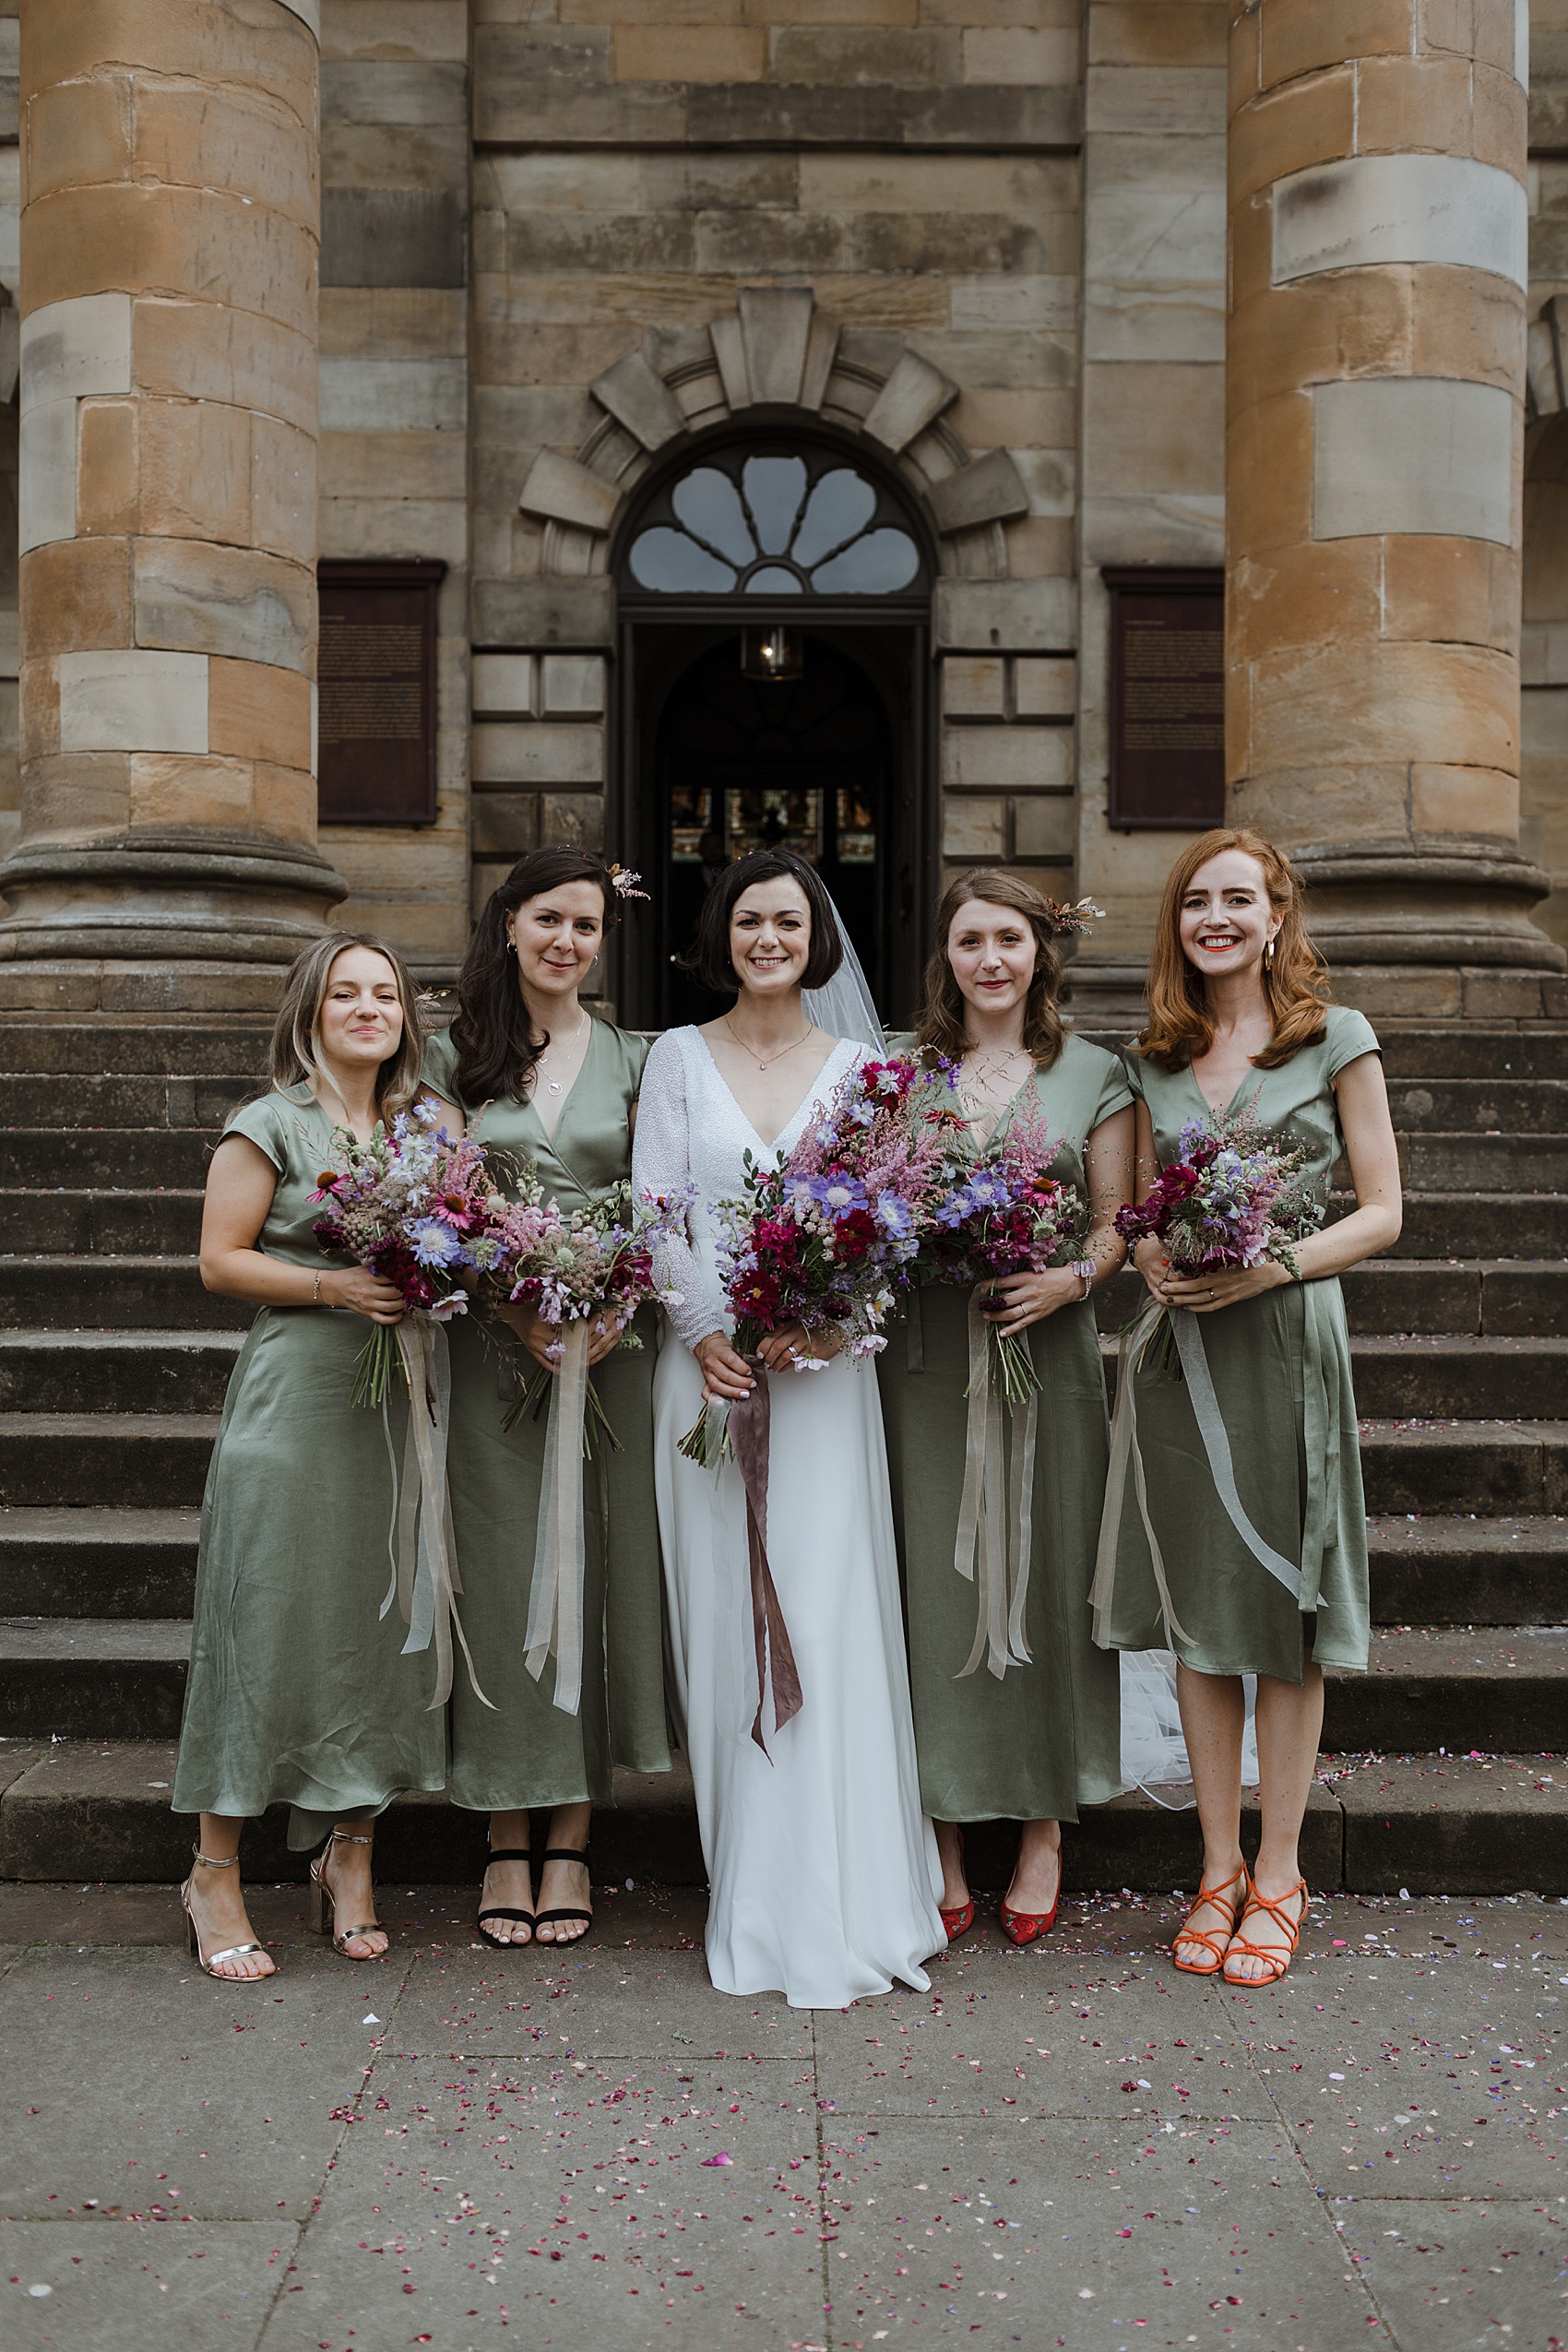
(1069,2148)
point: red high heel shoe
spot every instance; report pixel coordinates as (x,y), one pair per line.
(1027,1926)
(960,1922)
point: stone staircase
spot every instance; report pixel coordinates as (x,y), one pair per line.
(1445,1771)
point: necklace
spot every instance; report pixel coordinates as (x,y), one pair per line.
(554,1083)
(772,1057)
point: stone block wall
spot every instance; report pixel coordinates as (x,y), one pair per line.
(1543,651)
(394,162)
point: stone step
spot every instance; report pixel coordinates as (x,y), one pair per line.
(115,1371)
(136,1158)
(1487,1105)
(99,1561)
(1486,1468)
(77,1677)
(145,1460)
(98,1222)
(1506,1298)
(1473,1050)
(83,1098)
(1464,1163)
(125,1292)
(1434,1377)
(198,1048)
(1491,1226)
(1466,1571)
(97,1810)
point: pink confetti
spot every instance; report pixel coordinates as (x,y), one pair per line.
(720,2158)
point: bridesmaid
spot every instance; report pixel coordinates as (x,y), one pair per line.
(1043,1740)
(538,1077)
(1239,1020)
(298,1691)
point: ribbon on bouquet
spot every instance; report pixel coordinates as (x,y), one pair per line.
(556,1598)
(425,1583)
(1124,1451)
(996,1512)
(750,1425)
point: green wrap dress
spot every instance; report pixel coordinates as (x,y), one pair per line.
(1046,1736)
(1280,1365)
(523,1751)
(298,1692)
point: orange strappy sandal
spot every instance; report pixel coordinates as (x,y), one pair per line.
(1214,1940)
(1277,1962)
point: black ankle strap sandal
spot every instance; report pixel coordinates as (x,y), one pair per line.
(499,1911)
(544,1919)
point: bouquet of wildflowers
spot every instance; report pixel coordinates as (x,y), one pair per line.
(828,1238)
(1006,1214)
(410,1205)
(1234,1196)
(572,1268)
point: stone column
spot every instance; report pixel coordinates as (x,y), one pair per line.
(169,229)
(1376,361)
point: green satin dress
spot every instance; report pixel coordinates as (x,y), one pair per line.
(1045,1737)
(1280,1364)
(523,1751)
(298,1691)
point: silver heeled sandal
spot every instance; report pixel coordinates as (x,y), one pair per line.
(324,1907)
(193,1935)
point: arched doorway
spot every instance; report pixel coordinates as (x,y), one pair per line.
(774,668)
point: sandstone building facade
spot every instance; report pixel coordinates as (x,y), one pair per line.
(917,330)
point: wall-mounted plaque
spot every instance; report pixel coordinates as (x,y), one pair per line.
(1167,697)
(376,692)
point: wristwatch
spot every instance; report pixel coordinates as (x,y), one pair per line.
(1086,1270)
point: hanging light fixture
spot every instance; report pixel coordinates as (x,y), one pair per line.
(772,653)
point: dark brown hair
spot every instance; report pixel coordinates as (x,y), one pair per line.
(941,1026)
(296,1035)
(492,1030)
(709,957)
(1180,1028)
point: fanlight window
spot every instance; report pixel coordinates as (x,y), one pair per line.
(786,525)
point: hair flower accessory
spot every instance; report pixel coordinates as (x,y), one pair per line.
(625,882)
(1077,916)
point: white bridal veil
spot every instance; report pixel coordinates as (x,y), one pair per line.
(845,1007)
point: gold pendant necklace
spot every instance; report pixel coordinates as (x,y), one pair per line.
(772,1058)
(554,1085)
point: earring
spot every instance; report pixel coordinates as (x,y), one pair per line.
(1268,956)
(511,946)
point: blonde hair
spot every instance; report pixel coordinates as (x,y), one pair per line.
(296,1035)
(941,1026)
(1180,1028)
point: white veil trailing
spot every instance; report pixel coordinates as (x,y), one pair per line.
(845,1007)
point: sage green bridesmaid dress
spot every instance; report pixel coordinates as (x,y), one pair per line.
(1046,1738)
(522,1752)
(1282,1369)
(298,1691)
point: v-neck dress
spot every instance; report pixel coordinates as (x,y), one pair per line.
(1046,1738)
(298,1691)
(1282,1369)
(522,1750)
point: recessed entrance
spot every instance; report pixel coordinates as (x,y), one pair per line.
(753,553)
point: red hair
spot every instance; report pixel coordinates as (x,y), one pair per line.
(1180,1028)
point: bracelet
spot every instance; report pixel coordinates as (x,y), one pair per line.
(1086,1269)
(315,1291)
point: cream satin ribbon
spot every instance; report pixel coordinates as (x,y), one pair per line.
(1125,1449)
(425,1583)
(555,1599)
(996,1512)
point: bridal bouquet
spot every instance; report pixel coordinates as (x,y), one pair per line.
(828,1239)
(409,1204)
(591,1264)
(1006,1214)
(1234,1196)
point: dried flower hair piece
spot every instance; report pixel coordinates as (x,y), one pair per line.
(1078,916)
(625,882)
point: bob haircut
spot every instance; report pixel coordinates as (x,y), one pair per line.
(296,1035)
(492,1030)
(1180,1028)
(710,958)
(940,1026)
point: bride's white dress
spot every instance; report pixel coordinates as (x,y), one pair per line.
(825,1875)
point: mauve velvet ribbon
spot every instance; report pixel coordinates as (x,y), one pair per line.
(751,1420)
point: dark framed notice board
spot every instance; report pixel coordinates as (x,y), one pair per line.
(1167,697)
(375,676)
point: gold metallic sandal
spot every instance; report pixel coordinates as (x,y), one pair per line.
(324,1909)
(234,1951)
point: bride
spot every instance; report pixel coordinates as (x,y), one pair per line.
(824,1875)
